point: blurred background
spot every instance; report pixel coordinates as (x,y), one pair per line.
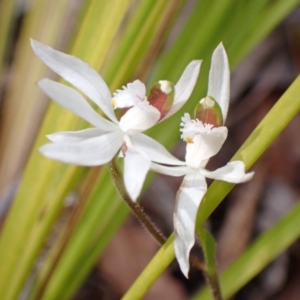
(262,71)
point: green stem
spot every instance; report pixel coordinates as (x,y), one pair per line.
(214,283)
(135,207)
(208,245)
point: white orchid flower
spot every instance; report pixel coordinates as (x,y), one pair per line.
(97,146)
(204,136)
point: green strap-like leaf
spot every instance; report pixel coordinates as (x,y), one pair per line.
(208,246)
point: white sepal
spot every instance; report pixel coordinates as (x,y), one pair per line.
(185,85)
(75,136)
(79,74)
(89,152)
(188,199)
(175,171)
(219,79)
(73,101)
(154,150)
(136,167)
(233,172)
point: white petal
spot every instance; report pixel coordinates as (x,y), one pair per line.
(219,79)
(138,119)
(175,171)
(78,73)
(154,150)
(233,172)
(73,101)
(188,199)
(205,145)
(90,152)
(75,136)
(136,167)
(184,87)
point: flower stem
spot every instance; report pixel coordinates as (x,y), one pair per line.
(141,215)
(213,282)
(208,245)
(135,207)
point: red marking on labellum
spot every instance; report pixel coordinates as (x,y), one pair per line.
(124,148)
(159,99)
(208,116)
(208,111)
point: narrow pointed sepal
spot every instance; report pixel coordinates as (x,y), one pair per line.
(154,150)
(75,136)
(188,199)
(136,167)
(219,79)
(233,172)
(79,74)
(74,102)
(185,86)
(93,151)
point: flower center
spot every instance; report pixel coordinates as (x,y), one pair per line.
(190,128)
(131,95)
